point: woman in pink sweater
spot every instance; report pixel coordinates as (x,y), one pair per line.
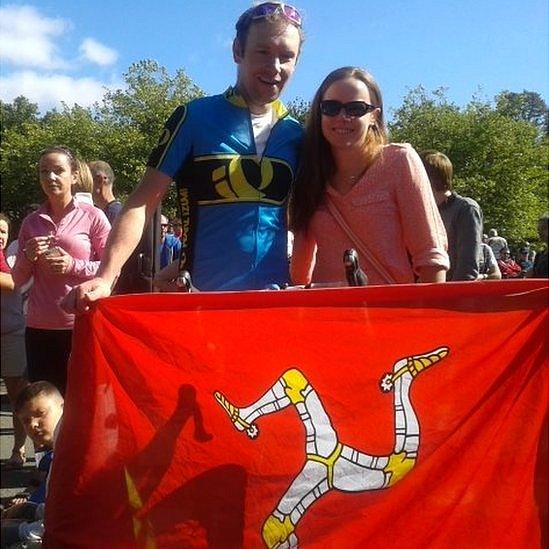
(351,176)
(60,246)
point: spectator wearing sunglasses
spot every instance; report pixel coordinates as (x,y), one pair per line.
(354,190)
(233,157)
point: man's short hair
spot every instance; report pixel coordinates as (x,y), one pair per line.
(278,16)
(103,167)
(34,390)
(439,169)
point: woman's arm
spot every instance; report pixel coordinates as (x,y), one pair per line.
(303,259)
(6,282)
(432,274)
(422,227)
(98,234)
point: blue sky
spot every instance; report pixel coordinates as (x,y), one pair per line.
(70,50)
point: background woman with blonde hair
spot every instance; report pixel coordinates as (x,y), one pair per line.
(83,187)
(354,190)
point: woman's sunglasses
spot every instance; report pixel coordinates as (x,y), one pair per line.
(354,109)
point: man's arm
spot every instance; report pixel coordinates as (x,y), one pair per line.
(123,239)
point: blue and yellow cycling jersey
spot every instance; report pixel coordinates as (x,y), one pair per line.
(234,202)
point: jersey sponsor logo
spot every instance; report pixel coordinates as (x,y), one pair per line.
(169,132)
(241,178)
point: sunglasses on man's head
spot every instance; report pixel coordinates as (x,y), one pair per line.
(354,109)
(269,8)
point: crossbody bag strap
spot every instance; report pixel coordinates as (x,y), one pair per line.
(362,248)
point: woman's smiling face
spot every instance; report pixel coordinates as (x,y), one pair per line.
(342,130)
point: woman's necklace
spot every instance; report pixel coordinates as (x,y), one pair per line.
(345,182)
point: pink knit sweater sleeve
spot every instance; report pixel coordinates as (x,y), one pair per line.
(423,230)
(303,258)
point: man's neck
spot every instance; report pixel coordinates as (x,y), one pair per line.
(443,199)
(253,107)
(104,199)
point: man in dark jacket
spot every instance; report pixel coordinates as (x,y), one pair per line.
(462,218)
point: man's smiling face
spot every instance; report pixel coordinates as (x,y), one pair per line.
(266,63)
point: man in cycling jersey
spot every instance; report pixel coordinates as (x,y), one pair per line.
(233,157)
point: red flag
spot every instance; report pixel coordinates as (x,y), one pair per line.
(380,417)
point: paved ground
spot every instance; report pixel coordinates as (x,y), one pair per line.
(12,482)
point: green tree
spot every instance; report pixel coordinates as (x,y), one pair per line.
(73,127)
(299,109)
(132,119)
(498,160)
(527,106)
(121,130)
(14,115)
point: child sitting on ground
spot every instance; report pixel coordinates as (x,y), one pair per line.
(40,408)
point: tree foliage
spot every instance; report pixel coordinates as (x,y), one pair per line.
(499,160)
(122,130)
(526,106)
(499,149)
(299,109)
(14,115)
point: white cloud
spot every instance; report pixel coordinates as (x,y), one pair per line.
(50,90)
(29,38)
(98,53)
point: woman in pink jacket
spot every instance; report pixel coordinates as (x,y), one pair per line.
(60,246)
(356,191)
